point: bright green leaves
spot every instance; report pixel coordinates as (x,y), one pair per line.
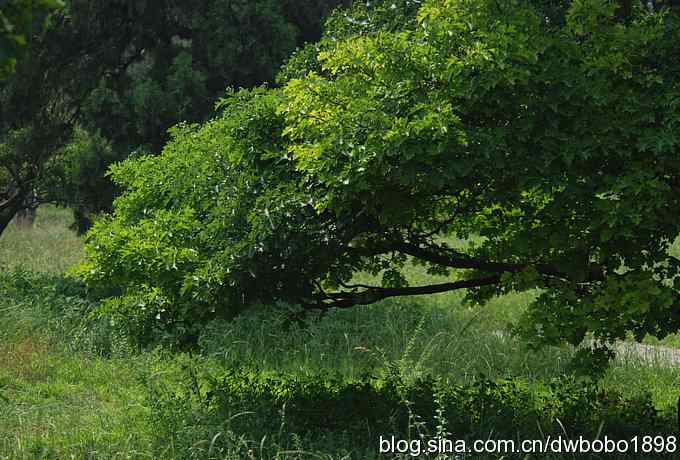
(182,227)
(549,143)
(370,120)
(486,43)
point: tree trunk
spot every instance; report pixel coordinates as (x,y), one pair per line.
(25,218)
(8,209)
(7,213)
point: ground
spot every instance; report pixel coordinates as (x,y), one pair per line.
(64,395)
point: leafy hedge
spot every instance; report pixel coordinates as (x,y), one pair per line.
(285,408)
(507,407)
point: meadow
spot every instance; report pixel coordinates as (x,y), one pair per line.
(72,387)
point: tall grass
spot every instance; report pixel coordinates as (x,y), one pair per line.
(458,343)
(49,246)
(68,389)
(64,405)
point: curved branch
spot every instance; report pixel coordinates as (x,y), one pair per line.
(375,294)
(454,259)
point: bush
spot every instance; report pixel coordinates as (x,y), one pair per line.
(504,408)
(274,411)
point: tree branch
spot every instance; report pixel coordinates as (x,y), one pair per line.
(375,294)
(13,198)
(454,259)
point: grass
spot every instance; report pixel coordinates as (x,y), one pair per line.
(57,401)
(460,343)
(66,405)
(69,390)
(50,246)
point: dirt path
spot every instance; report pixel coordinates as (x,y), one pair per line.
(658,354)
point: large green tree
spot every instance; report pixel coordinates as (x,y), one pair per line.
(548,141)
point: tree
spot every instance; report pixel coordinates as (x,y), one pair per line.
(120,74)
(19,20)
(185,55)
(41,102)
(550,142)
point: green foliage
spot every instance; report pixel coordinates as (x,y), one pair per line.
(363,18)
(181,59)
(243,42)
(550,143)
(19,20)
(280,409)
(54,308)
(125,72)
(173,229)
(23,153)
(75,170)
(42,100)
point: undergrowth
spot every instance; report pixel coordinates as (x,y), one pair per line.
(265,387)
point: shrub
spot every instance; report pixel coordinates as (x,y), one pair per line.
(285,409)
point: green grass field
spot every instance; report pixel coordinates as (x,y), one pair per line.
(50,246)
(69,390)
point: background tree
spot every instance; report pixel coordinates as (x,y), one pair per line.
(19,21)
(125,71)
(186,55)
(41,101)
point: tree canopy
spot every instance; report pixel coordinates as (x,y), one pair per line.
(19,21)
(41,101)
(547,143)
(125,71)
